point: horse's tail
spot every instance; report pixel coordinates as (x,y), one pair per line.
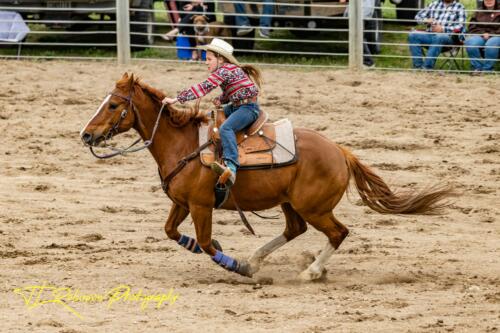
(377,195)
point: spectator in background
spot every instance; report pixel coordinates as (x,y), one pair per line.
(368,9)
(183,21)
(484,24)
(172,8)
(244,23)
(444,19)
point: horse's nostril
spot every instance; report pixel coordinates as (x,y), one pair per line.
(87,138)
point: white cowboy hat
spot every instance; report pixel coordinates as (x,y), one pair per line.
(221,47)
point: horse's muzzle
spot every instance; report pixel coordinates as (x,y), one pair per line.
(86,138)
(91,140)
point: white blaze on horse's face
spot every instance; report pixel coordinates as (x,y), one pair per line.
(109,119)
(106,100)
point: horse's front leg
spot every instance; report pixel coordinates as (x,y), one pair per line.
(175,217)
(202,218)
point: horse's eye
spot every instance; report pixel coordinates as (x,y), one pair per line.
(112,107)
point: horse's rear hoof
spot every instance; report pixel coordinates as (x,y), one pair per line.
(244,269)
(311,275)
(216,244)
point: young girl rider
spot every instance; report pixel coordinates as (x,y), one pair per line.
(240,87)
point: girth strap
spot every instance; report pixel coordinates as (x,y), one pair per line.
(181,164)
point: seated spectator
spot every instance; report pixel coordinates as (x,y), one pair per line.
(244,23)
(443,20)
(483,38)
(368,8)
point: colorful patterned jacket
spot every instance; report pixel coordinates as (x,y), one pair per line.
(234,82)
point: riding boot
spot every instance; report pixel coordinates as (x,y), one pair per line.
(227,174)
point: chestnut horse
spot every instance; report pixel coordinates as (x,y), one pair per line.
(307,191)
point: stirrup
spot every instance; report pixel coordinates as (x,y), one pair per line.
(221,193)
(226,176)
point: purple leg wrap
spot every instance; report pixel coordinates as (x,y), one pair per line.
(225,261)
(189,243)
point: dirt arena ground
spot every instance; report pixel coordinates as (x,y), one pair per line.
(71,221)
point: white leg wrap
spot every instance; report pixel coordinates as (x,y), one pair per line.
(315,270)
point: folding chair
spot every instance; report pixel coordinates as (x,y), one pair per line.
(13,29)
(451,53)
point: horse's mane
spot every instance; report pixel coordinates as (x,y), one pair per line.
(178,118)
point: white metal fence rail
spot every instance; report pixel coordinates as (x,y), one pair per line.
(303,34)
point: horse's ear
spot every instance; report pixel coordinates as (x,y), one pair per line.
(131,81)
(125,76)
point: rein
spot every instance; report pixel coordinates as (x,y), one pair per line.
(114,129)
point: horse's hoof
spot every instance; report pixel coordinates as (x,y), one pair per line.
(254,265)
(216,244)
(244,269)
(310,275)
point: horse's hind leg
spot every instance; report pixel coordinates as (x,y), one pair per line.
(336,232)
(176,216)
(295,226)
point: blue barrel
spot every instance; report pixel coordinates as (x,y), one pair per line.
(183,47)
(185,50)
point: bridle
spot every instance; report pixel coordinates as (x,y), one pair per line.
(114,130)
(123,151)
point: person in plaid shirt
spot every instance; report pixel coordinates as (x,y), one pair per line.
(444,20)
(240,88)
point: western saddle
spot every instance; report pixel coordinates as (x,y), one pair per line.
(255,143)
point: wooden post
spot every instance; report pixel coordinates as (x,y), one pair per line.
(123,31)
(356,34)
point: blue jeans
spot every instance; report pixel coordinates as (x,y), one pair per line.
(474,45)
(265,20)
(238,118)
(434,42)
